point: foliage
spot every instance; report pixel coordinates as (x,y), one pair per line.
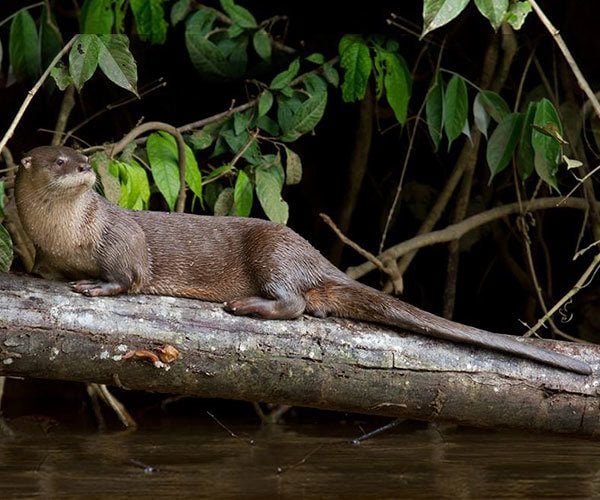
(244,160)
(437,13)
(359,56)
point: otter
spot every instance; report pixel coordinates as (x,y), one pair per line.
(255,267)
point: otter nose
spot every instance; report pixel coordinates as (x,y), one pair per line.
(84,167)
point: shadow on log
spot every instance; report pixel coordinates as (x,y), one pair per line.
(47,331)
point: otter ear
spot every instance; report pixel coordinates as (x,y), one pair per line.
(26,162)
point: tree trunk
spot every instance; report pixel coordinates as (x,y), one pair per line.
(47,331)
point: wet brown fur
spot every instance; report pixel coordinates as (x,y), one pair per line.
(256,267)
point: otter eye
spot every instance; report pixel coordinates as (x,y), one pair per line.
(60,162)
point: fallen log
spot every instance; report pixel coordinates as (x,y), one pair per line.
(47,331)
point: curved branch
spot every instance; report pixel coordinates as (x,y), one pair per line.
(458,230)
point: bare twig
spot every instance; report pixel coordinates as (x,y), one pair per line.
(110,107)
(118,407)
(581,283)
(68,102)
(357,248)
(583,84)
(11,129)
(458,230)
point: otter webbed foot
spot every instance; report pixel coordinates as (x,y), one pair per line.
(93,288)
(288,307)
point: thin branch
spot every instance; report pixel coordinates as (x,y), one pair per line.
(357,248)
(15,14)
(68,102)
(583,84)
(110,107)
(581,283)
(11,130)
(458,230)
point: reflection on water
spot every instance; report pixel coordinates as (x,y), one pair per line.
(183,460)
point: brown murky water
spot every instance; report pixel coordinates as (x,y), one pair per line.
(204,460)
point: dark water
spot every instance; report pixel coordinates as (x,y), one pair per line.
(204,460)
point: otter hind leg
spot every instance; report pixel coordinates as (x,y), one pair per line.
(93,288)
(285,307)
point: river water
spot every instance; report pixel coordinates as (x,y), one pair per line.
(201,458)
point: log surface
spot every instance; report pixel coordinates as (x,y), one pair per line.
(47,331)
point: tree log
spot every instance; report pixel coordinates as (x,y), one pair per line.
(47,331)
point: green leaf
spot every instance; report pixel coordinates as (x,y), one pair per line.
(50,39)
(120,8)
(140,185)
(109,176)
(243,195)
(268,190)
(218,172)
(193,177)
(546,148)
(239,15)
(331,74)
(24,47)
(83,59)
(165,169)
(493,10)
(456,108)
(355,60)
(526,154)
(436,13)
(61,76)
(494,105)
(268,125)
(203,138)
(503,142)
(200,23)
(180,10)
(241,121)
(316,58)
(117,62)
(236,54)
(398,84)
(293,167)
(207,58)
(97,17)
(6,250)
(284,78)
(517,12)
(224,203)
(434,110)
(481,116)
(305,118)
(314,84)
(262,44)
(265,102)
(150,20)
(134,185)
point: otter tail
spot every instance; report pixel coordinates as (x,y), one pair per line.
(357,301)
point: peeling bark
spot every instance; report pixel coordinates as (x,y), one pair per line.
(47,331)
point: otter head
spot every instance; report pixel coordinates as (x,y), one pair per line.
(59,168)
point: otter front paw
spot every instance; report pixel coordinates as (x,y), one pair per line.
(97,288)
